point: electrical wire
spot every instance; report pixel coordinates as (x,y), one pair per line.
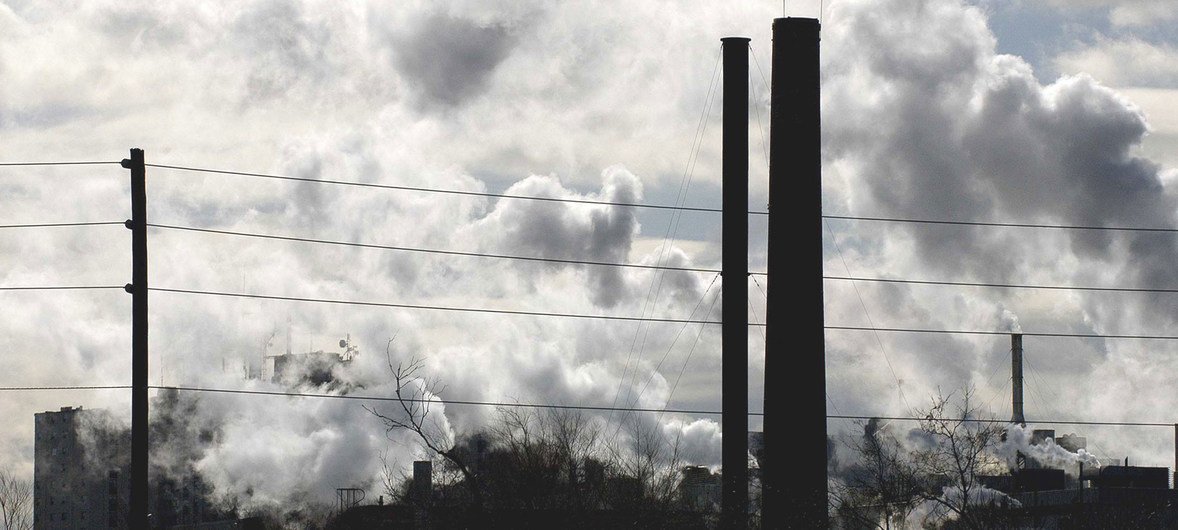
(1001,392)
(656,281)
(993,420)
(436,251)
(55,225)
(70,387)
(444,191)
(1008,225)
(1004,333)
(30,164)
(683,369)
(1003,285)
(675,340)
(60,287)
(443,401)
(439,308)
(870,321)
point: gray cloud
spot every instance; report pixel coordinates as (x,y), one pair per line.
(447,59)
(977,137)
(570,232)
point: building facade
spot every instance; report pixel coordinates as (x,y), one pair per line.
(80,472)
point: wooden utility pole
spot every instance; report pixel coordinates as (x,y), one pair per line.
(795,344)
(735,268)
(137,518)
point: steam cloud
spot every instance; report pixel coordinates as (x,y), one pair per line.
(922,118)
(1047,452)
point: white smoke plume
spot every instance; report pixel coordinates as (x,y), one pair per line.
(1010,321)
(1046,452)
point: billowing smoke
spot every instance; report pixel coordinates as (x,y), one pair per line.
(1010,321)
(923,118)
(1019,439)
(278,454)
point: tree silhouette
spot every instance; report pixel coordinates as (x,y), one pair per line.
(16,502)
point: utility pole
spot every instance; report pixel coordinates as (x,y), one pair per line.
(137,518)
(734,290)
(795,343)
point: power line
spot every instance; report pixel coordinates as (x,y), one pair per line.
(671,346)
(690,352)
(54,225)
(437,251)
(445,191)
(60,287)
(993,420)
(882,350)
(440,308)
(444,401)
(1003,285)
(655,288)
(1005,333)
(76,387)
(28,164)
(1008,225)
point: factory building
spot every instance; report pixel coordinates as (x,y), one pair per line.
(1106,496)
(314,367)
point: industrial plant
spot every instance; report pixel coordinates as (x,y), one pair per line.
(1080,491)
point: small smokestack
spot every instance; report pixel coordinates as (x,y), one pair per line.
(1016,377)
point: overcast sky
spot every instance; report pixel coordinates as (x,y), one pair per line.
(1044,112)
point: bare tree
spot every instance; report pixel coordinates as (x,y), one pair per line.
(883,488)
(390,479)
(547,455)
(416,396)
(16,502)
(650,458)
(958,448)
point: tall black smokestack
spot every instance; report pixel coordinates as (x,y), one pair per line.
(1016,379)
(795,364)
(734,290)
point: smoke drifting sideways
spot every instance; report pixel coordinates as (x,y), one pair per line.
(1046,452)
(277,453)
